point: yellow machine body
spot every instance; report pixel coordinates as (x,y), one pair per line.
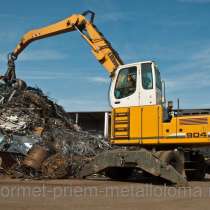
(131,124)
(145,125)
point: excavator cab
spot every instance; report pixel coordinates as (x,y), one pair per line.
(136,84)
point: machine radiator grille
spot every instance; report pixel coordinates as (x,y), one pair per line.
(194,121)
(121,125)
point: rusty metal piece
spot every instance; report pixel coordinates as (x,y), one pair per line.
(19,84)
(1,162)
(10,73)
(35,157)
(56,166)
(38,131)
(6,160)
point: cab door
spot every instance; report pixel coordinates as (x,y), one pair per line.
(124,91)
(147,88)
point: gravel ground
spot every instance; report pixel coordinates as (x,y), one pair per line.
(101,194)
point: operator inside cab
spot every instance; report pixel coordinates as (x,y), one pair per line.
(126,82)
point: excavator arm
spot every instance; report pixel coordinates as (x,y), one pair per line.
(101,48)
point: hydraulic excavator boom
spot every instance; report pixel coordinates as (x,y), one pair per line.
(101,48)
(139,117)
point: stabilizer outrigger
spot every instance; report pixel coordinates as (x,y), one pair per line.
(140,159)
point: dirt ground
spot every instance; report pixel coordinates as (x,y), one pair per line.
(101,194)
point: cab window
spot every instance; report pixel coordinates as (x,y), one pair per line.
(158,79)
(147,78)
(126,82)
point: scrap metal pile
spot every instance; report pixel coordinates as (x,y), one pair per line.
(37,137)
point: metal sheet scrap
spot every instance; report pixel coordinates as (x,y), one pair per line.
(29,118)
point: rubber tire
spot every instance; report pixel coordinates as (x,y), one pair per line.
(207,166)
(196,175)
(199,174)
(173,158)
(118,173)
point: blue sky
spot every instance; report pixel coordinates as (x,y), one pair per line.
(174,33)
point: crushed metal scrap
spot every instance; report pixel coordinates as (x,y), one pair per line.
(37,137)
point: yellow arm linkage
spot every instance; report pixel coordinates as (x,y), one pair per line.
(101,48)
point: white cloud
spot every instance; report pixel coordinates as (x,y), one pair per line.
(3,56)
(42,55)
(11,16)
(8,35)
(99,79)
(197,61)
(189,81)
(191,74)
(116,17)
(44,75)
(195,1)
(203,56)
(36,55)
(53,74)
(75,104)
